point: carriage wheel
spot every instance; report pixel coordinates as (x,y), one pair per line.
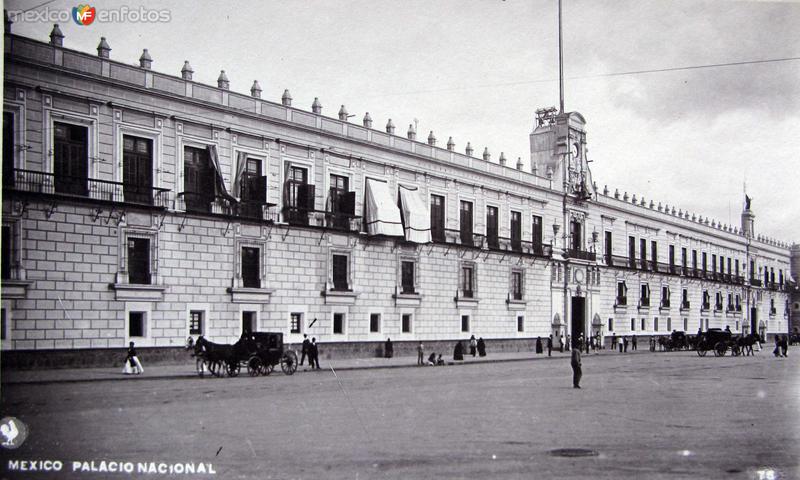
(267,368)
(233,368)
(719,349)
(289,362)
(254,366)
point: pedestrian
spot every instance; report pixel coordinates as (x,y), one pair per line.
(592,345)
(481,347)
(550,345)
(432,359)
(576,368)
(388,349)
(439,361)
(613,341)
(569,342)
(458,352)
(561,343)
(785,346)
(633,342)
(652,343)
(776,352)
(313,357)
(304,349)
(619,344)
(420,354)
(473,345)
(538,345)
(625,344)
(132,363)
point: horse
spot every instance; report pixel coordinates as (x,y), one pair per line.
(746,342)
(215,355)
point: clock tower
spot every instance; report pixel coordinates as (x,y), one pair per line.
(558,151)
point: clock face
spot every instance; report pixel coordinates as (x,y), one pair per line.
(576,150)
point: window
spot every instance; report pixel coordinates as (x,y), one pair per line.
(296,322)
(655,324)
(718,301)
(340,277)
(738,304)
(669,324)
(654,254)
(407,276)
(685,298)
(644,324)
(251,273)
(136,324)
(665,296)
(437,218)
(299,196)
(610,324)
(643,253)
(706,324)
(467,280)
(249,322)
(196,322)
(139,261)
(622,294)
(3,324)
(516,285)
(137,169)
(608,249)
(632,252)
(714,264)
(684,260)
(342,202)
(253,189)
(406,319)
(491,227)
(520,323)
(8,148)
(516,231)
(537,232)
(70,158)
(465,323)
(685,324)
(375,322)
(198,180)
(705,262)
(671,257)
(575,230)
(338,323)
(645,295)
(633,324)
(466,222)
(721,265)
(694,262)
(752,269)
(7,240)
(706,300)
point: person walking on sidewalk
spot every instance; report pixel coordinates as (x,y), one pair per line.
(304,349)
(550,345)
(561,343)
(625,344)
(420,354)
(481,347)
(132,363)
(576,368)
(388,349)
(313,355)
(633,342)
(538,345)
(613,341)
(473,345)
(619,344)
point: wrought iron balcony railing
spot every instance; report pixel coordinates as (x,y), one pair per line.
(754,282)
(686,305)
(45,183)
(581,255)
(621,301)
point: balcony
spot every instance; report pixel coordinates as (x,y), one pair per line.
(621,301)
(754,282)
(581,255)
(76,188)
(718,307)
(343,222)
(644,302)
(686,305)
(705,306)
(665,303)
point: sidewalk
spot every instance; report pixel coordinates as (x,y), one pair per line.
(168,372)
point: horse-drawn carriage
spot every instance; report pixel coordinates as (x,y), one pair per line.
(676,341)
(258,352)
(717,340)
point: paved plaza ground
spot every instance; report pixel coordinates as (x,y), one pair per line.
(643,415)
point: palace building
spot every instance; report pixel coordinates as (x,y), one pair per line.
(143,206)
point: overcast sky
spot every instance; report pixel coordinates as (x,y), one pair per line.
(477,71)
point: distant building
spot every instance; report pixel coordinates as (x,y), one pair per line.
(141,206)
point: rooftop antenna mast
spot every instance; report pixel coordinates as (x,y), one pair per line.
(560,61)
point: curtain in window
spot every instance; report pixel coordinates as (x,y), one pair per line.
(383,216)
(219,183)
(241,164)
(415,213)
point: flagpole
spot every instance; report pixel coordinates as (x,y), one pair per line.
(560,61)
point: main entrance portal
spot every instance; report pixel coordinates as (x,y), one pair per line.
(578,319)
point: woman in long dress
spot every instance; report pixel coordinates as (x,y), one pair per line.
(539,345)
(132,363)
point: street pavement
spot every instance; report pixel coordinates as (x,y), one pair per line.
(640,415)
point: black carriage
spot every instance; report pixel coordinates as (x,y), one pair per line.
(258,352)
(717,340)
(676,341)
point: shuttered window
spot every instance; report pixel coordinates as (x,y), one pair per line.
(251,273)
(139,261)
(340,277)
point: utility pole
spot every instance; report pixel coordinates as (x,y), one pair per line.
(560,61)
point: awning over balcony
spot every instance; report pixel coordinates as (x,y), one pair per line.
(382,216)
(416,216)
(219,183)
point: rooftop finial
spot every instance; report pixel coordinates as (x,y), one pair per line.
(486,155)
(255,90)
(103,48)
(412,135)
(469,149)
(56,37)
(451,144)
(286,99)
(502,159)
(222,81)
(519,163)
(145,61)
(367,120)
(390,127)
(343,114)
(187,71)
(316,107)
(431,139)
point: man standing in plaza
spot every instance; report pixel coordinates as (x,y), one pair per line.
(576,368)
(304,349)
(550,345)
(633,342)
(420,354)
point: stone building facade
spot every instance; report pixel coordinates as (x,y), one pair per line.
(141,206)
